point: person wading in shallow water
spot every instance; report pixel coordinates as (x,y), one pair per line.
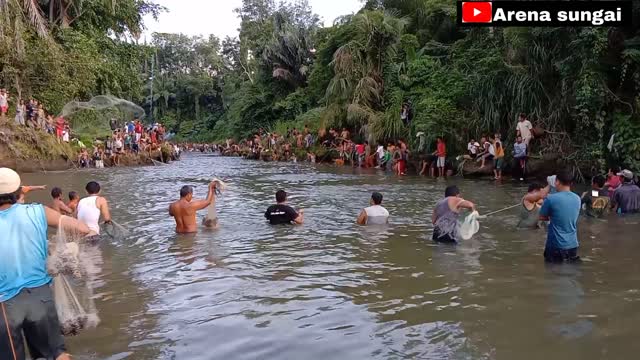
(374,214)
(281,213)
(562,209)
(184,210)
(92,207)
(27,310)
(445,215)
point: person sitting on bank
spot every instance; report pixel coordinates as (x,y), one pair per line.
(562,210)
(281,213)
(57,204)
(627,197)
(445,215)
(374,214)
(531,204)
(92,207)
(595,203)
(26,299)
(184,210)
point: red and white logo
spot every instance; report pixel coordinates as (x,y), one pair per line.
(476,12)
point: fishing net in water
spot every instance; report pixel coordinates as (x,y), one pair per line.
(73,293)
(211,219)
(469,227)
(104,102)
(115,230)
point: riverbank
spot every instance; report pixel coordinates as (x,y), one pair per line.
(29,150)
(537,167)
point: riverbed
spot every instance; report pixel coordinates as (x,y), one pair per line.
(330,289)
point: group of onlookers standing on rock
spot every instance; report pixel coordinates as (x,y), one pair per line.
(33,114)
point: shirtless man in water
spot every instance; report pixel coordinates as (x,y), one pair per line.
(184,210)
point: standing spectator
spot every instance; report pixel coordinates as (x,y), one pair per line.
(41,118)
(30,111)
(49,124)
(499,154)
(520,157)
(20,113)
(524,128)
(441,153)
(4,104)
(65,133)
(138,131)
(60,125)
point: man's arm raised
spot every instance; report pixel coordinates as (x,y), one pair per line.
(202,204)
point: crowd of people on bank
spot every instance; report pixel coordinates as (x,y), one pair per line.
(34,115)
(131,138)
(392,156)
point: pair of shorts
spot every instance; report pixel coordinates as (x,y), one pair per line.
(4,109)
(32,312)
(559,256)
(442,161)
(499,163)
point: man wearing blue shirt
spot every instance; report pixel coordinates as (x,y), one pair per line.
(562,209)
(26,300)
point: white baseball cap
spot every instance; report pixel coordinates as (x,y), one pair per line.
(9,181)
(627,174)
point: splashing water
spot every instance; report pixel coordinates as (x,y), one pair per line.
(71,267)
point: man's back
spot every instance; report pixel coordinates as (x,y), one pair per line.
(24,249)
(280,214)
(185,216)
(563,209)
(627,198)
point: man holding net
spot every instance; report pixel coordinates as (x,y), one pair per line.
(26,300)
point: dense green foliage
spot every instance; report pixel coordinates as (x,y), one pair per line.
(580,84)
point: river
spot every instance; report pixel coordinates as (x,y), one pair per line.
(333,290)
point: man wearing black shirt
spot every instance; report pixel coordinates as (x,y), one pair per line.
(281,213)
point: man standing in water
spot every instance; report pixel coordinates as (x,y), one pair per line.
(374,214)
(281,213)
(562,209)
(445,215)
(27,309)
(92,207)
(531,203)
(184,210)
(57,204)
(627,197)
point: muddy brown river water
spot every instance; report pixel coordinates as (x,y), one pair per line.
(333,290)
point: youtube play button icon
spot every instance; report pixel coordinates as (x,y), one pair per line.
(477,12)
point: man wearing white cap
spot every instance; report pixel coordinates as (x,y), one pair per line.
(26,300)
(627,198)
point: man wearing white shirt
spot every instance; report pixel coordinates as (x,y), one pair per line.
(524,128)
(374,214)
